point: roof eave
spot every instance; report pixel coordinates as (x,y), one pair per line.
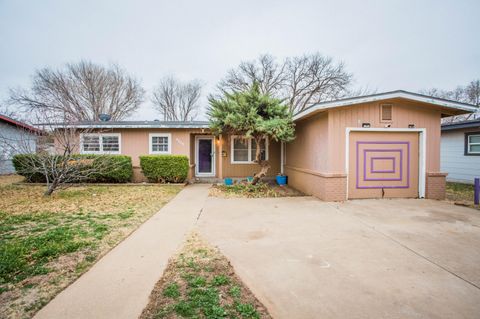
(457,107)
(87,126)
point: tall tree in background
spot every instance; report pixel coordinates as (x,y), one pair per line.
(255,115)
(298,81)
(467,94)
(81,91)
(177,100)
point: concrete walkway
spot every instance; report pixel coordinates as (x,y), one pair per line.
(118,286)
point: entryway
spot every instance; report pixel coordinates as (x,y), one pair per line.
(204,156)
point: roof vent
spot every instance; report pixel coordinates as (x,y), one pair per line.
(104,117)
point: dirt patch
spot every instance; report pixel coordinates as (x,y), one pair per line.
(200,282)
(246,190)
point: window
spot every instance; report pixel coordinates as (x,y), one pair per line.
(160,143)
(472,143)
(100,143)
(386,113)
(244,150)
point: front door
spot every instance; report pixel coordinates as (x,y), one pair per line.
(205,156)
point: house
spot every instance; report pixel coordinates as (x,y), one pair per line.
(15,137)
(375,146)
(460,151)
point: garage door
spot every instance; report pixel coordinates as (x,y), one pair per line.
(383,164)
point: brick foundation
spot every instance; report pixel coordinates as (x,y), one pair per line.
(327,187)
(435,185)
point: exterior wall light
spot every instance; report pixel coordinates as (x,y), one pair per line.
(365,125)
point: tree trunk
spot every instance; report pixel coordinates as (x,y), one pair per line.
(51,188)
(265,165)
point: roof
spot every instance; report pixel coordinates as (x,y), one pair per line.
(141,124)
(19,124)
(457,107)
(461,125)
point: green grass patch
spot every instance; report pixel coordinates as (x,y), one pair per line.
(200,283)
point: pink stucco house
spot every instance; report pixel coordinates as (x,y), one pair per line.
(375,146)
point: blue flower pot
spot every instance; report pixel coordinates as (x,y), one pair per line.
(281,180)
(249,179)
(228,181)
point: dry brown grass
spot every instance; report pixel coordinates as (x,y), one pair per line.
(460,194)
(10,179)
(87,221)
(248,190)
(199,282)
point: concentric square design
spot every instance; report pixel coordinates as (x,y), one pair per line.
(385,162)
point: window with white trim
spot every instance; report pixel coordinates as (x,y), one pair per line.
(160,143)
(100,143)
(472,144)
(244,150)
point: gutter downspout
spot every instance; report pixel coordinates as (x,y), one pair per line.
(282,156)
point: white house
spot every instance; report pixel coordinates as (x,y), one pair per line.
(460,151)
(15,137)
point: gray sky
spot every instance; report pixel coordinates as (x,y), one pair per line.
(388,45)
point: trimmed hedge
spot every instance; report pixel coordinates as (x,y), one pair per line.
(165,168)
(115,168)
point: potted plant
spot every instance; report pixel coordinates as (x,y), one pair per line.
(281,179)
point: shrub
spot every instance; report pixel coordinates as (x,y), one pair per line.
(111,168)
(165,168)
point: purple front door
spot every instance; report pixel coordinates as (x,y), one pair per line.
(205,156)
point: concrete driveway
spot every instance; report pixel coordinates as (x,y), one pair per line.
(305,258)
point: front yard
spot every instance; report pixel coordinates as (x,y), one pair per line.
(48,242)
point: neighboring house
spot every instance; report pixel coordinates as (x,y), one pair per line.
(381,145)
(15,137)
(460,151)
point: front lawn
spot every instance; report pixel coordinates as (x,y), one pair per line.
(200,283)
(48,242)
(460,193)
(244,189)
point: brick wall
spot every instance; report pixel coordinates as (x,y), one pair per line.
(327,188)
(435,186)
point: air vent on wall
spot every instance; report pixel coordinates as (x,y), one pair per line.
(386,112)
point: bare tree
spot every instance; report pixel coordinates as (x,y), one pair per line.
(472,92)
(58,165)
(82,91)
(265,71)
(466,94)
(176,100)
(299,81)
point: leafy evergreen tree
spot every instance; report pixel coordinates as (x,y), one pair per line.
(253,115)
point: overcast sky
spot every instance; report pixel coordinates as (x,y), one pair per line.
(387,45)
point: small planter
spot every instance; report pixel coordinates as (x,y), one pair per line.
(228,181)
(281,180)
(249,179)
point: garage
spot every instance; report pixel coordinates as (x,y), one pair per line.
(383,164)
